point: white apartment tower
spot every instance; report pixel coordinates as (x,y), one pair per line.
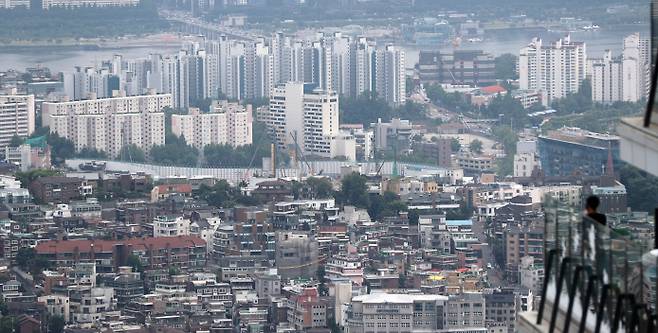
(310,116)
(108,124)
(625,78)
(606,77)
(390,78)
(361,67)
(636,68)
(226,124)
(557,69)
(16,117)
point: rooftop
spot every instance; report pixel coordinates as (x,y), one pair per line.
(56,246)
(397,298)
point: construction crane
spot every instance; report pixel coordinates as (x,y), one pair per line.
(253,156)
(302,157)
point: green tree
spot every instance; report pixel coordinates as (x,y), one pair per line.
(414,217)
(202,104)
(136,263)
(509,108)
(29,261)
(24,256)
(333,326)
(642,188)
(508,139)
(476,146)
(320,188)
(168,113)
(60,148)
(354,191)
(26,178)
(243,156)
(3,307)
(388,204)
(455,145)
(7,324)
(56,324)
(506,67)
(322,288)
(219,195)
(81,22)
(16,141)
(256,102)
(452,101)
(92,153)
(411,111)
(576,103)
(132,153)
(402,280)
(175,152)
(364,109)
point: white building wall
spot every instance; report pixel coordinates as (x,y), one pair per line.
(111,123)
(557,69)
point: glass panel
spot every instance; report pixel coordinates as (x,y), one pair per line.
(610,254)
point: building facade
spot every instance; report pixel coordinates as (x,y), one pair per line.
(17,117)
(226,124)
(305,117)
(471,67)
(184,252)
(606,76)
(557,69)
(573,151)
(109,124)
(381,312)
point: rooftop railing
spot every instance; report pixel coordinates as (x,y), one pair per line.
(596,279)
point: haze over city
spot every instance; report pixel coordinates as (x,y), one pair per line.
(315,166)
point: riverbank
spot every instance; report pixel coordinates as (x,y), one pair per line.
(160,39)
(66,55)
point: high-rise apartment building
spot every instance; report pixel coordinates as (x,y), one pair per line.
(624,78)
(300,113)
(227,123)
(108,124)
(636,64)
(389,76)
(606,76)
(241,69)
(557,69)
(16,117)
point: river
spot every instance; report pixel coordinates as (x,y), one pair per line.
(64,58)
(512,41)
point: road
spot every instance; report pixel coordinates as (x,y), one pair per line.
(187,19)
(494,274)
(26,280)
(434,111)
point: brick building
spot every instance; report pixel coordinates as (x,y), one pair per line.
(57,189)
(184,252)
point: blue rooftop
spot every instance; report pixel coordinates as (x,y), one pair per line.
(459,222)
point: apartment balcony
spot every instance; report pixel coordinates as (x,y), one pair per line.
(596,278)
